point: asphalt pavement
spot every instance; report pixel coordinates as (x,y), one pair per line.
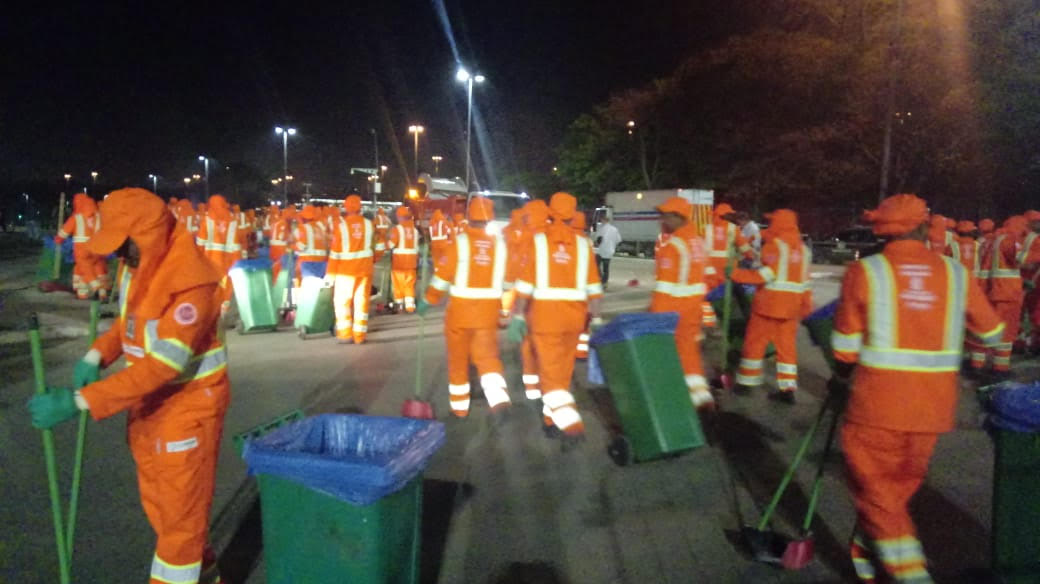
(503,503)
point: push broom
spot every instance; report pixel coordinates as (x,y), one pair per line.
(81,442)
(416,407)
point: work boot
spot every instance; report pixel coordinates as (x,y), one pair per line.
(783,396)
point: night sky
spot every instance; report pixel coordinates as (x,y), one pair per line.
(131,91)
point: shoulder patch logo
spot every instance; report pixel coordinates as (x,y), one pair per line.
(185,314)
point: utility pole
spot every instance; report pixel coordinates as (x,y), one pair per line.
(890,106)
(375,147)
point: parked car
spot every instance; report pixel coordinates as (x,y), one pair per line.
(847,245)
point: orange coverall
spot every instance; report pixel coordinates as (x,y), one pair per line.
(1029,259)
(472,273)
(90,273)
(723,242)
(783,298)
(904,389)
(311,240)
(404,241)
(281,234)
(440,234)
(534,218)
(177,389)
(1005,289)
(351,263)
(222,241)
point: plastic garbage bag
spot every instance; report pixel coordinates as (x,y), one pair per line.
(313,269)
(253,264)
(719,292)
(66,249)
(1015,407)
(824,312)
(625,327)
(821,324)
(354,458)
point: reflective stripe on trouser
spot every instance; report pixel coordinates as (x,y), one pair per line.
(494,386)
(582,349)
(1011,314)
(687,343)
(458,397)
(708,316)
(465,346)
(861,558)
(350,297)
(529,366)
(176,455)
(403,287)
(761,331)
(885,469)
(977,352)
(555,353)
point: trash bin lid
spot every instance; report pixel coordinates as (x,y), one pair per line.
(313,269)
(625,327)
(824,312)
(253,264)
(1016,406)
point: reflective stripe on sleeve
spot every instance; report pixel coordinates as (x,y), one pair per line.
(174,573)
(846,343)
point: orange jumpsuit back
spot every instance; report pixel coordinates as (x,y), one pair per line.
(1029,259)
(901,318)
(534,219)
(1004,288)
(783,298)
(177,388)
(680,272)
(90,273)
(440,234)
(724,243)
(351,263)
(560,278)
(311,239)
(222,241)
(404,243)
(472,273)
(281,238)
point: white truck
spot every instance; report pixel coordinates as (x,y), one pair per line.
(635,215)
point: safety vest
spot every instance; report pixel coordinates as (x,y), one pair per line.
(190,365)
(682,287)
(951,244)
(313,240)
(382,223)
(439,232)
(782,280)
(82,235)
(406,245)
(882,349)
(998,268)
(354,248)
(211,244)
(969,256)
(721,247)
(460,287)
(543,287)
(1022,255)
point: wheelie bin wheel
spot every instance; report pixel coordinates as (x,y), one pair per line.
(302,332)
(620,450)
(240,327)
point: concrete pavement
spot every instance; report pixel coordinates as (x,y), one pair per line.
(503,504)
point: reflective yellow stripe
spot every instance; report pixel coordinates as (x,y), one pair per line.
(850,343)
(883,316)
(174,573)
(910,360)
(956,298)
(681,290)
(81,230)
(169,351)
(210,362)
(124,292)
(781,281)
(542,288)
(1021,257)
(992,337)
(461,288)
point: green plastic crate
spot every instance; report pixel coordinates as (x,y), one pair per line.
(313,537)
(649,389)
(1016,507)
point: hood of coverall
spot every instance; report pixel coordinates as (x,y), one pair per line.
(1017,226)
(987,226)
(352,205)
(578,223)
(84,205)
(537,215)
(783,225)
(965,227)
(898,215)
(218,208)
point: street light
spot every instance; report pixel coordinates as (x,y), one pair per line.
(205,162)
(416,130)
(93,176)
(463,76)
(631,125)
(67,177)
(437,164)
(196,177)
(285,133)
(155,183)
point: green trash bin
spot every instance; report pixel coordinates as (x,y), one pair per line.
(45,265)
(314,311)
(637,356)
(251,282)
(820,325)
(1016,503)
(341,497)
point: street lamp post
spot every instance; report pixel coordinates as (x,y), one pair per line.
(415,131)
(187,181)
(205,161)
(375,148)
(285,133)
(464,76)
(437,164)
(155,183)
(67,178)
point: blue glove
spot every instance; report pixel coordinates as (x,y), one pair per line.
(517,329)
(52,408)
(85,373)
(422,307)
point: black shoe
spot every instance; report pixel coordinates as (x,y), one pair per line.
(786,397)
(742,390)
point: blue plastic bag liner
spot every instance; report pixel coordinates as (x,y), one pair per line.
(625,327)
(1015,407)
(824,312)
(354,458)
(313,269)
(719,292)
(263,252)
(66,249)
(253,264)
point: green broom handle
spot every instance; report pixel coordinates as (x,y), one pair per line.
(807,522)
(727,309)
(48,451)
(422,327)
(802,448)
(81,443)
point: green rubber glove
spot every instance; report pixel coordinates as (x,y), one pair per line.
(422,307)
(595,324)
(517,329)
(85,373)
(52,408)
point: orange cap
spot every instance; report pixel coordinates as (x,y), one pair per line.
(1017,225)
(217,202)
(578,222)
(309,213)
(1032,215)
(951,223)
(459,217)
(938,221)
(481,209)
(965,227)
(783,220)
(986,226)
(127,213)
(537,213)
(403,212)
(898,215)
(681,206)
(563,205)
(352,204)
(723,209)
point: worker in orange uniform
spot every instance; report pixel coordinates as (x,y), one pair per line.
(281,238)
(561,283)
(580,226)
(177,389)
(404,243)
(534,217)
(1029,260)
(899,328)
(460,222)
(680,271)
(270,218)
(90,273)
(440,234)
(1004,289)
(382,224)
(200,217)
(222,241)
(186,216)
(351,263)
(784,297)
(724,243)
(968,247)
(938,239)
(311,239)
(472,274)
